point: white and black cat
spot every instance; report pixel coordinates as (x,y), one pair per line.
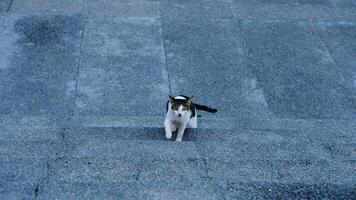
(181,113)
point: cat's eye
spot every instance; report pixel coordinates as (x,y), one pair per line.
(175,106)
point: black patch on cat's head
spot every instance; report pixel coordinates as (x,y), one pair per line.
(186,103)
(171,99)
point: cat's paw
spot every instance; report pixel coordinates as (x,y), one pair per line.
(178,139)
(168,135)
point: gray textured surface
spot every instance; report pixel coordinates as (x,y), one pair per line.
(39,67)
(123,71)
(124,8)
(207,59)
(289,11)
(297,72)
(287,191)
(4,5)
(199,9)
(210,164)
(83,87)
(48,7)
(339,39)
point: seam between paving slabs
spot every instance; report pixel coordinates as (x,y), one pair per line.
(214,184)
(164,49)
(42,182)
(253,68)
(330,55)
(8,8)
(232,10)
(210,181)
(77,74)
(40,185)
(321,41)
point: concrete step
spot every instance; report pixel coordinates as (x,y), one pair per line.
(83,162)
(20,142)
(127,190)
(98,177)
(212,143)
(221,122)
(241,190)
(263,190)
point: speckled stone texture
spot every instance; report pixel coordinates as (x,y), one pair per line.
(83,88)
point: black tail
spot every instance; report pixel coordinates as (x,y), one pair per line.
(205,108)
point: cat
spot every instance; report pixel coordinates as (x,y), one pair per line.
(181,113)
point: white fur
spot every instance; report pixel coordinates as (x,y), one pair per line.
(174,122)
(180,97)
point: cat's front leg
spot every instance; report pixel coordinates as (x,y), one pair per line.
(181,132)
(167,128)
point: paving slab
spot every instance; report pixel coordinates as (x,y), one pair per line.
(123,69)
(255,136)
(290,2)
(24,133)
(93,169)
(192,191)
(48,7)
(118,190)
(338,136)
(339,151)
(291,11)
(79,133)
(124,8)
(18,190)
(177,179)
(299,10)
(176,173)
(214,50)
(343,12)
(119,121)
(297,73)
(194,135)
(115,133)
(340,40)
(77,190)
(260,190)
(28,149)
(39,66)
(311,126)
(237,150)
(93,146)
(198,9)
(206,121)
(150,178)
(281,171)
(22,169)
(30,121)
(342,2)
(4,5)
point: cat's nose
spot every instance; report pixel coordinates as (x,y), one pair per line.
(179,115)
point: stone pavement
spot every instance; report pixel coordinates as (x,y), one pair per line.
(83,85)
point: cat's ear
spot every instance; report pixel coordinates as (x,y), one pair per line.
(190,99)
(171,99)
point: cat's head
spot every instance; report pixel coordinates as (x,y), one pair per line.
(180,105)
